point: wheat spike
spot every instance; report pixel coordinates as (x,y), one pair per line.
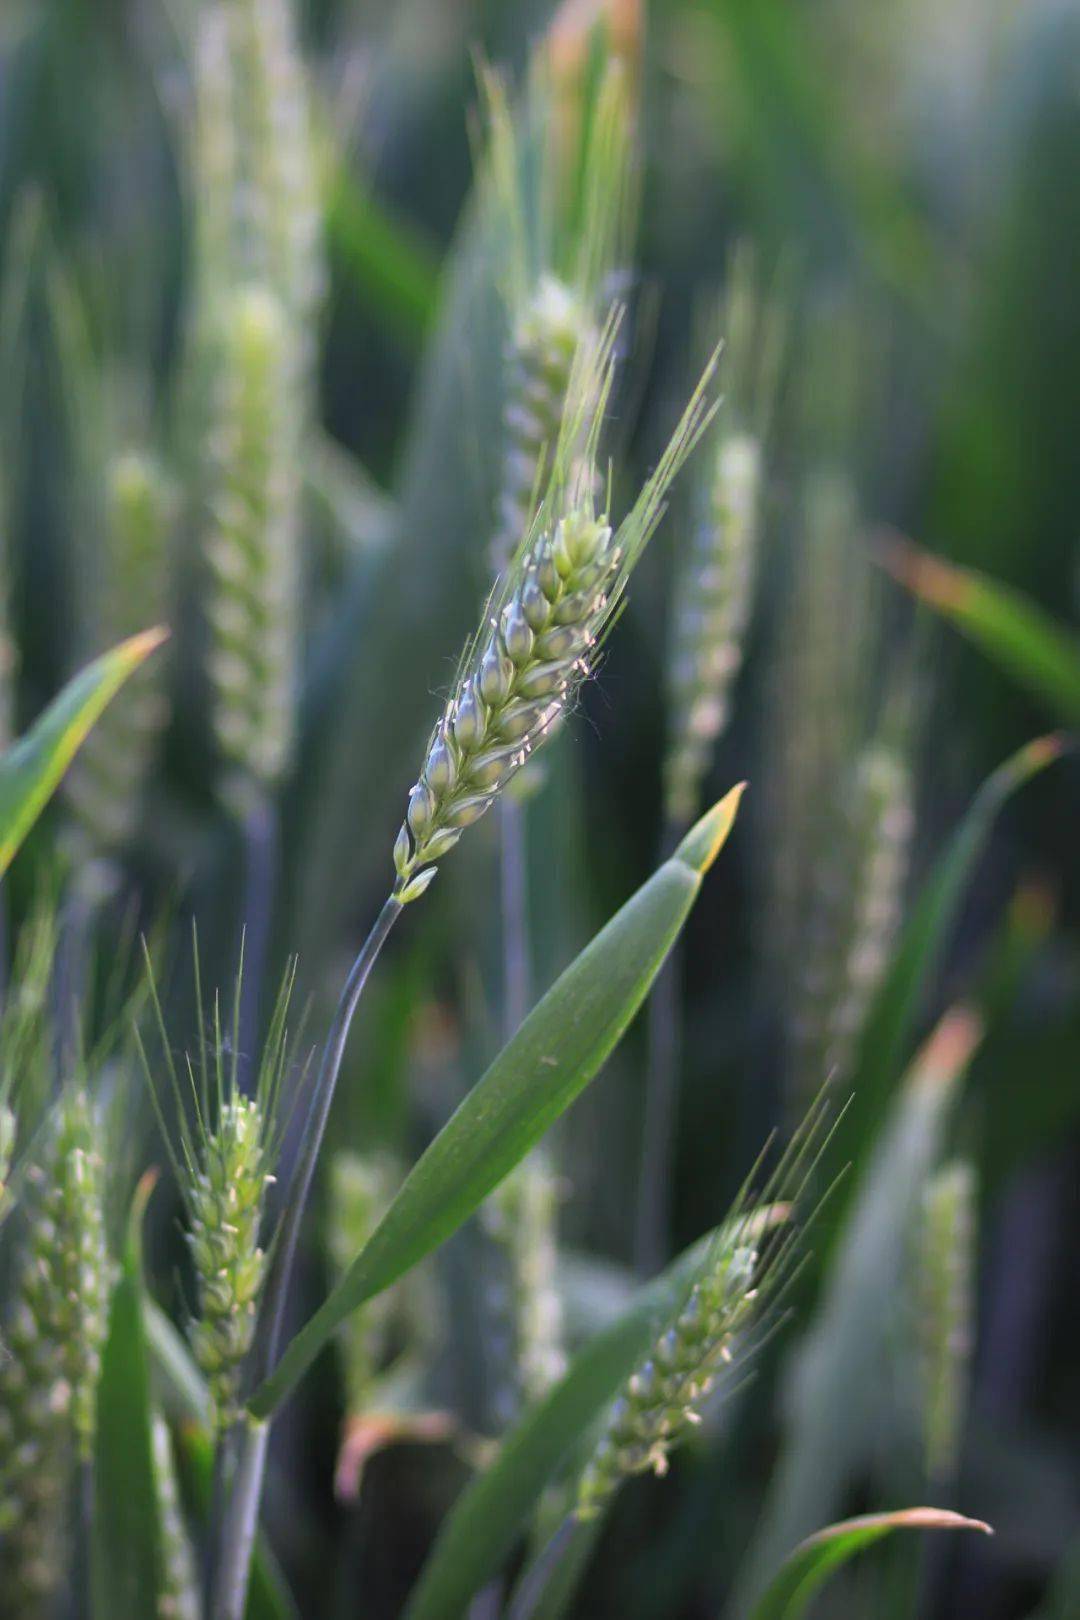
(53,1339)
(108,781)
(542,634)
(945,1309)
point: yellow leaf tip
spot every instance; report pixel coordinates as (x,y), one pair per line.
(136,648)
(708,836)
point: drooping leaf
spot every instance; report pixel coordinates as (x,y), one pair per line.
(559,1048)
(814,1560)
(126,1553)
(836,1380)
(32,767)
(1017,634)
(488,1517)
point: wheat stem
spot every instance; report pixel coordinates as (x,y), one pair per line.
(241,1522)
(260,839)
(243,1509)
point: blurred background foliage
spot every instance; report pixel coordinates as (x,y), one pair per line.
(914,169)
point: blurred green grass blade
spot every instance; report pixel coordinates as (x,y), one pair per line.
(392,266)
(1062,1601)
(179,1385)
(126,1555)
(1024,641)
(32,767)
(481,1530)
(811,1564)
(559,1048)
(835,1382)
(884,1042)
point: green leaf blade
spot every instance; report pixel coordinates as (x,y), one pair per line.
(1021,639)
(32,768)
(558,1050)
(126,1552)
(813,1561)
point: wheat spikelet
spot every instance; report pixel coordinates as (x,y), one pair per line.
(251,548)
(945,1309)
(562,205)
(714,586)
(745,1266)
(224,1153)
(178,1598)
(259,280)
(546,622)
(53,1340)
(106,785)
(359,1190)
(854,923)
(521,1218)
(279,187)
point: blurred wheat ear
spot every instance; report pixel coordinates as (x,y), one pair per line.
(54,1332)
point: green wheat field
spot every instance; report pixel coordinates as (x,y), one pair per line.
(539,879)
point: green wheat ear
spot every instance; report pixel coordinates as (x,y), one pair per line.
(714,586)
(107,783)
(722,1319)
(544,628)
(560,194)
(251,547)
(945,1257)
(258,286)
(54,1334)
(224,1149)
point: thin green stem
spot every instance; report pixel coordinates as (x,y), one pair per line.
(260,840)
(241,1523)
(563,1558)
(242,1514)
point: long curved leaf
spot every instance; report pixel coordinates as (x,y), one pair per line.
(480,1532)
(32,767)
(558,1049)
(814,1560)
(1027,643)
